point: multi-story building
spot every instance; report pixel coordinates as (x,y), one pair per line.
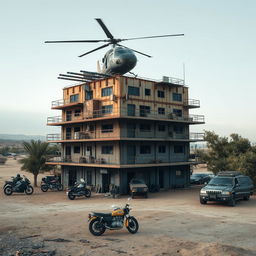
(117,128)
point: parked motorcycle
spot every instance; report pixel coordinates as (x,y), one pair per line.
(13,181)
(21,186)
(79,189)
(51,182)
(119,218)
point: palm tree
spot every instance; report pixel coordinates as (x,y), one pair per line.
(37,155)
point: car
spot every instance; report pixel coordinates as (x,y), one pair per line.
(138,187)
(200,178)
(227,187)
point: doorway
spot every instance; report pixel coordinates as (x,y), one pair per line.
(71,177)
(105,182)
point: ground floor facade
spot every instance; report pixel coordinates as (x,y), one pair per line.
(165,177)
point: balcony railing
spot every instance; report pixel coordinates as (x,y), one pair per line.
(192,103)
(104,161)
(131,133)
(62,102)
(124,112)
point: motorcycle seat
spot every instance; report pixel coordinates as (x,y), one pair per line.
(99,214)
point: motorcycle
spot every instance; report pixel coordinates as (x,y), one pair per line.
(119,218)
(79,189)
(20,187)
(51,182)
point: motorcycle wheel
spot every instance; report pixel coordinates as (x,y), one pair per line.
(96,228)
(29,190)
(88,193)
(133,225)
(71,196)
(60,187)
(44,188)
(8,190)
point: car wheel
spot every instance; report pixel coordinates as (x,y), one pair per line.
(202,201)
(246,198)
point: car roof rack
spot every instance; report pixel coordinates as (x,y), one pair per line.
(229,173)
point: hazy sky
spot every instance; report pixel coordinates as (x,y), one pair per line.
(218,51)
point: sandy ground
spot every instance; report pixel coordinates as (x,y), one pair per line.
(171,223)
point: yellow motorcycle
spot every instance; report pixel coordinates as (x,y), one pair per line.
(119,218)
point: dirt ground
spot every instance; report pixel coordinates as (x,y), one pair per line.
(171,223)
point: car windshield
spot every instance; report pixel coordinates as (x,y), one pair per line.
(221,181)
(197,175)
(137,182)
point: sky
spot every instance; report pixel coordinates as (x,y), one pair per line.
(218,51)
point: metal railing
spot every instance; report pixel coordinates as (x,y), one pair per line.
(192,103)
(63,102)
(136,134)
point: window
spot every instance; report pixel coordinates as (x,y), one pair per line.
(76,129)
(178,149)
(145,149)
(178,129)
(106,91)
(108,109)
(160,94)
(77,112)
(161,128)
(68,133)
(161,111)
(74,97)
(131,110)
(107,128)
(145,127)
(147,92)
(89,95)
(76,149)
(108,150)
(177,96)
(161,149)
(144,110)
(177,112)
(69,115)
(133,91)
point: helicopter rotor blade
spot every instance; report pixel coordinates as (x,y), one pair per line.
(103,26)
(135,51)
(103,46)
(77,41)
(146,37)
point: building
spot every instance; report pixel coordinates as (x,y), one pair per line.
(117,128)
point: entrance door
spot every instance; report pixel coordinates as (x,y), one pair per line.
(161,178)
(131,154)
(105,182)
(71,177)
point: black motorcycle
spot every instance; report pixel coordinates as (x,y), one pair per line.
(79,189)
(51,182)
(21,186)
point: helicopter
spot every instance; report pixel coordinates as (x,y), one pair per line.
(119,59)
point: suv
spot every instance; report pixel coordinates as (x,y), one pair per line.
(138,187)
(227,187)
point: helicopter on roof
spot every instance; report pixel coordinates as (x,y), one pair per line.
(119,59)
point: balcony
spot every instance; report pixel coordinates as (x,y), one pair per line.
(191,103)
(131,135)
(61,104)
(90,161)
(124,113)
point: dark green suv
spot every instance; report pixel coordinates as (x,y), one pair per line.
(227,187)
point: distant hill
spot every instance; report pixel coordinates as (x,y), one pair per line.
(20,137)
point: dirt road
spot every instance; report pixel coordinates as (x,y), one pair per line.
(171,223)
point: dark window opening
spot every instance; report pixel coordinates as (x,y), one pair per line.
(161,111)
(160,94)
(162,149)
(177,112)
(147,92)
(108,109)
(106,128)
(145,127)
(131,110)
(178,149)
(133,91)
(106,91)
(144,110)
(76,149)
(177,96)
(145,149)
(107,150)
(74,98)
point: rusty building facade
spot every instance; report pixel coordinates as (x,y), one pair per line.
(117,128)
